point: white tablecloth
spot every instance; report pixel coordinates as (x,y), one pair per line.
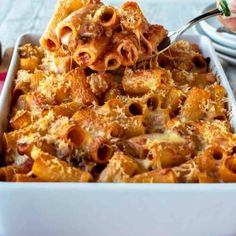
(21,16)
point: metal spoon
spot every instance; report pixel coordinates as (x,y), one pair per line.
(223,9)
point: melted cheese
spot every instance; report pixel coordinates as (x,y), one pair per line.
(168,137)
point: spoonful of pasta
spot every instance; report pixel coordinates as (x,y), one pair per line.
(222,9)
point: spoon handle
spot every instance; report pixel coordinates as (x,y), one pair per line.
(214,12)
(172,37)
(224,7)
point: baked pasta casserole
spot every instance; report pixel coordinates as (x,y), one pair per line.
(95,102)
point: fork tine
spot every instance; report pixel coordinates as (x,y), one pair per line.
(165,43)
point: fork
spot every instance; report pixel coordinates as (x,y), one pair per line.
(172,37)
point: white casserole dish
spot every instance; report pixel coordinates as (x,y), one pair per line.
(62,209)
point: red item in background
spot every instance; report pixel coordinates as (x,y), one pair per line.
(2,79)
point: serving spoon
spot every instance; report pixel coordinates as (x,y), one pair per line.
(222,9)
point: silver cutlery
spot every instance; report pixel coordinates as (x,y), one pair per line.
(222,9)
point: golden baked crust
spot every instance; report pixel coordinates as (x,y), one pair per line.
(98,105)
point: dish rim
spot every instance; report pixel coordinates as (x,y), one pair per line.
(220,49)
(227,58)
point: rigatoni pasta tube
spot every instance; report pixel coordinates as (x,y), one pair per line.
(227,169)
(10,140)
(204,178)
(133,126)
(195,106)
(26,178)
(133,20)
(66,109)
(100,150)
(21,120)
(211,158)
(86,54)
(112,61)
(24,102)
(76,135)
(80,90)
(100,83)
(112,107)
(51,169)
(61,65)
(217,133)
(131,16)
(134,108)
(107,16)
(137,146)
(114,130)
(155,176)
(24,148)
(119,169)
(8,173)
(173,100)
(169,150)
(108,62)
(193,79)
(93,122)
(199,63)
(87,118)
(68,30)
(40,127)
(19,90)
(98,65)
(155,35)
(49,39)
(143,81)
(218,110)
(29,64)
(150,40)
(153,101)
(166,149)
(24,118)
(155,121)
(188,172)
(128,50)
(97,123)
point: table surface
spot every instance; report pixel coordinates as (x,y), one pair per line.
(18,17)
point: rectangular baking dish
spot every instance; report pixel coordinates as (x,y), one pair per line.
(62,209)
